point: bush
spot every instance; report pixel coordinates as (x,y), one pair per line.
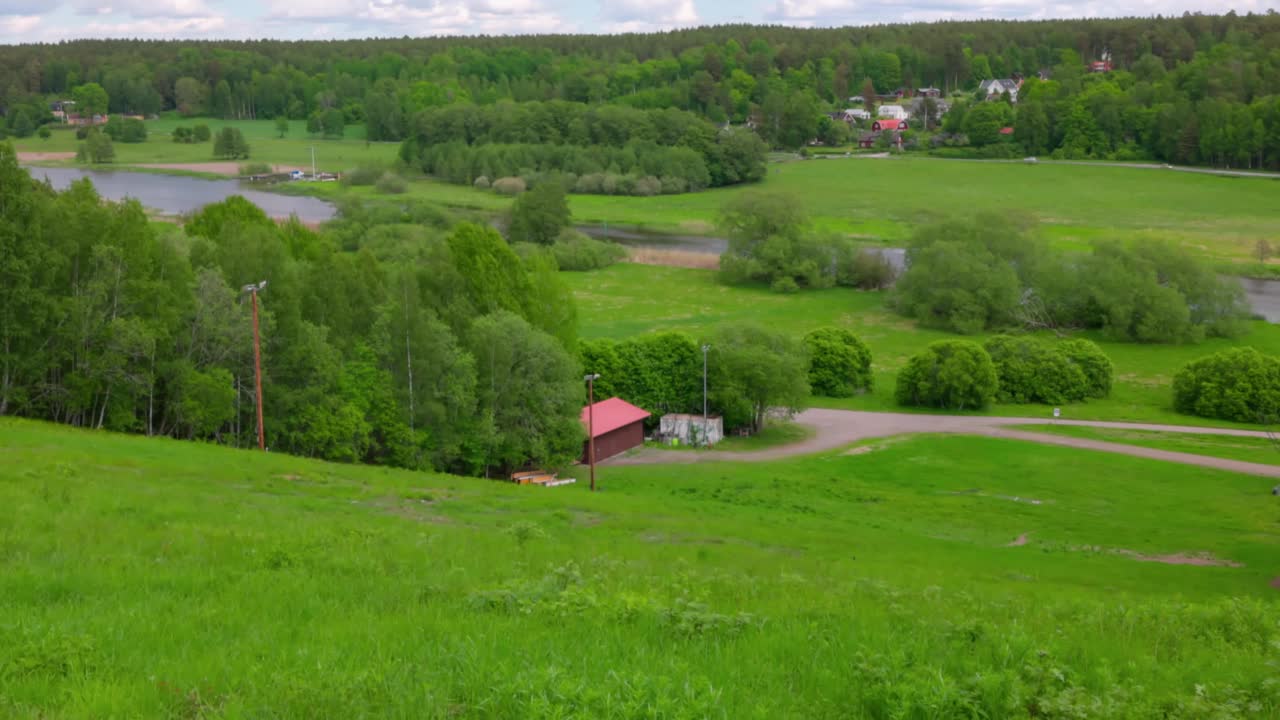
(1239,384)
(949,374)
(391,184)
(363,175)
(184,135)
(44,133)
(539,215)
(201,133)
(255,168)
(481,183)
(1030,371)
(82,132)
(1096,366)
(648,186)
(230,144)
(839,363)
(509,185)
(96,148)
(577,252)
(863,268)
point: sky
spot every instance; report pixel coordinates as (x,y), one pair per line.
(53,20)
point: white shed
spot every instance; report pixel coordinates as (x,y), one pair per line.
(691,429)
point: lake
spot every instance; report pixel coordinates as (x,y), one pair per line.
(178,195)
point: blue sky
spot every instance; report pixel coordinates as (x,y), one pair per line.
(53,20)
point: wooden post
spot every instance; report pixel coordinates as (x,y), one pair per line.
(257,372)
(591,428)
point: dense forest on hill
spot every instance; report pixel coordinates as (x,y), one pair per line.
(1189,89)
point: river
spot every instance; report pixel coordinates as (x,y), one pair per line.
(179,195)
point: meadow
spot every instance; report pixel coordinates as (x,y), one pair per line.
(1249,449)
(628,299)
(878,199)
(931,577)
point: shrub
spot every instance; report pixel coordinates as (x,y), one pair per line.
(1239,384)
(184,135)
(96,148)
(509,185)
(255,168)
(839,363)
(575,251)
(201,133)
(949,374)
(481,183)
(864,268)
(391,184)
(363,175)
(1094,363)
(82,132)
(230,144)
(44,133)
(647,186)
(1030,371)
(539,215)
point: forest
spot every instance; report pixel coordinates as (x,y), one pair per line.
(1195,89)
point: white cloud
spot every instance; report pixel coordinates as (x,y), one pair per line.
(196,27)
(18,26)
(860,12)
(648,15)
(423,17)
(148,8)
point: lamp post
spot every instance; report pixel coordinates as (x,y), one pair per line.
(706,433)
(253,291)
(591,425)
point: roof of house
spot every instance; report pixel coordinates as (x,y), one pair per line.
(1003,84)
(1006,131)
(611,414)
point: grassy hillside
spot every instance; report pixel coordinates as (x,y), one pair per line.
(148,578)
(628,299)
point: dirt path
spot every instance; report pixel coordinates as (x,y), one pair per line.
(26,157)
(837,428)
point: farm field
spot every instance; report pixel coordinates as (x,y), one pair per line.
(628,299)
(1249,449)
(932,576)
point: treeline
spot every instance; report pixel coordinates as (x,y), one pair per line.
(386,339)
(1179,93)
(606,149)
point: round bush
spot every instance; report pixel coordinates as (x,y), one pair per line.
(1239,384)
(648,186)
(1096,366)
(509,185)
(949,374)
(391,184)
(1030,371)
(839,363)
(481,183)
(363,175)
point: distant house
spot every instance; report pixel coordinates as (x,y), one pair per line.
(1100,66)
(885,124)
(917,106)
(1006,131)
(869,140)
(852,115)
(616,425)
(932,92)
(895,112)
(995,89)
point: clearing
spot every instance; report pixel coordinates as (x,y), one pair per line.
(241,584)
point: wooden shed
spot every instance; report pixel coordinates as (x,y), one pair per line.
(617,424)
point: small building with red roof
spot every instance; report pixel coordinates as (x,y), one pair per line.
(888,124)
(616,425)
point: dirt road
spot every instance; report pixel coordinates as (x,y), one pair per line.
(836,428)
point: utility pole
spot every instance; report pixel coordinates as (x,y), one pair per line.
(591,425)
(313,162)
(706,432)
(257,358)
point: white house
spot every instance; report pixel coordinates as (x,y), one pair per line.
(895,112)
(852,114)
(994,89)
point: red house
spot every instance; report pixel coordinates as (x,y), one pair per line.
(1006,131)
(1100,66)
(888,124)
(617,426)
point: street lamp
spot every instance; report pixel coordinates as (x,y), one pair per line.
(706,433)
(253,291)
(591,425)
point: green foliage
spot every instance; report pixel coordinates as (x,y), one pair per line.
(839,363)
(660,372)
(509,185)
(126,130)
(230,144)
(949,374)
(254,168)
(391,183)
(363,175)
(282,126)
(753,372)
(332,123)
(1238,384)
(91,99)
(44,133)
(577,252)
(1093,362)
(771,240)
(96,148)
(201,133)
(1032,371)
(540,215)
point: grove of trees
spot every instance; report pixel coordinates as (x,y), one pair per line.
(1192,88)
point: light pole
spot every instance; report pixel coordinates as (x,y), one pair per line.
(257,358)
(591,425)
(706,433)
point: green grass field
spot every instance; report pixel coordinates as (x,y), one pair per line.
(628,299)
(264,144)
(1248,449)
(155,578)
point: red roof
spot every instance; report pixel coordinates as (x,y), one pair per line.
(892,124)
(1006,131)
(612,414)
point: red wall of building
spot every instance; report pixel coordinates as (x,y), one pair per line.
(617,441)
